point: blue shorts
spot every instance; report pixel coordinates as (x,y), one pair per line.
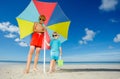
(54,55)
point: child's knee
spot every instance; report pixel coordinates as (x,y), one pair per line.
(31,52)
(37,54)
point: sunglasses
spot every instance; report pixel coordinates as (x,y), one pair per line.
(54,35)
(42,19)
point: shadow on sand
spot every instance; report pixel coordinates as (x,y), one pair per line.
(90,70)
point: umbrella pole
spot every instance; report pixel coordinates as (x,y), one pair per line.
(44,53)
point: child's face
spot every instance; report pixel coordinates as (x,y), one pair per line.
(41,21)
(55,36)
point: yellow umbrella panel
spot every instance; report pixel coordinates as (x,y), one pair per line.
(61,28)
(26,27)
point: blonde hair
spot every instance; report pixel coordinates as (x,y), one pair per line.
(55,33)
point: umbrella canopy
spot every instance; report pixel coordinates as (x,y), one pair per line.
(56,20)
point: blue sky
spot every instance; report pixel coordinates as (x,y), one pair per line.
(94,33)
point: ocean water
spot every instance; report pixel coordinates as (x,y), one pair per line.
(82,62)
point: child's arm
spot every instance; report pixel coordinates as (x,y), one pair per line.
(43,29)
(34,27)
(47,43)
(60,51)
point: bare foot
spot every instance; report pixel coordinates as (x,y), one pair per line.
(54,70)
(35,69)
(50,72)
(26,71)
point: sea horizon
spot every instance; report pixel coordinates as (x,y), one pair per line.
(65,62)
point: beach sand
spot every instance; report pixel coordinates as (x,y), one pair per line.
(68,71)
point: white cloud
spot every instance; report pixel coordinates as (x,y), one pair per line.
(82,42)
(23,44)
(110,47)
(113,21)
(117,38)
(90,34)
(8,27)
(12,31)
(3,26)
(10,35)
(108,5)
(17,40)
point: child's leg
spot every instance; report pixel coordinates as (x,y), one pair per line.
(31,51)
(54,65)
(36,58)
(51,66)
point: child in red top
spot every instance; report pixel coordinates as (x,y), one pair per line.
(36,42)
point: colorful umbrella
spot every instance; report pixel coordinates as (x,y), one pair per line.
(56,21)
